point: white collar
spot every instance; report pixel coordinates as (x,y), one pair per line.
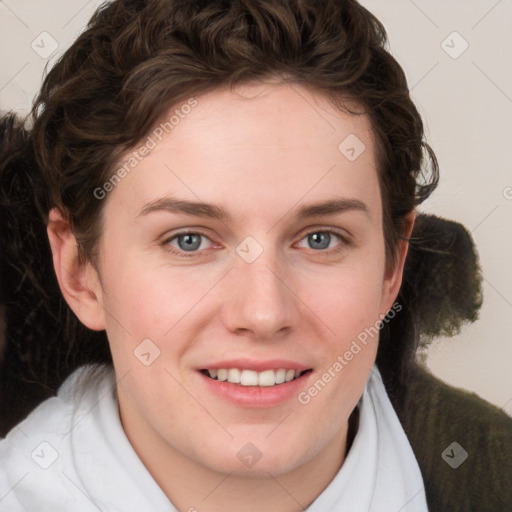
(380,472)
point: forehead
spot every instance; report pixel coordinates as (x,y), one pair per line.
(274,143)
(276,117)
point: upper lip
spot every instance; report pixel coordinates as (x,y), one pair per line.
(255,365)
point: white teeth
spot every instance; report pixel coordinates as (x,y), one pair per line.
(234,375)
(265,378)
(249,378)
(280,376)
(290,375)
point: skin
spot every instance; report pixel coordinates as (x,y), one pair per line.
(260,152)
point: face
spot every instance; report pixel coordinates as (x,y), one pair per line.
(273,274)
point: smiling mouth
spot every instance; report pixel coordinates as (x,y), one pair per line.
(266,378)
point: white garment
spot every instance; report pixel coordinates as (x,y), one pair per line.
(380,472)
(71,455)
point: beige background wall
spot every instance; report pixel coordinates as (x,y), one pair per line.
(457,57)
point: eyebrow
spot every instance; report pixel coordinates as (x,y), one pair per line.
(201,209)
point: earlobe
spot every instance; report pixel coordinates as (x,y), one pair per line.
(79,282)
(393,278)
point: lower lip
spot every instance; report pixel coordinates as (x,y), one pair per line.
(256,396)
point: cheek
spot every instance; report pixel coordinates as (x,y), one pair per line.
(348,310)
(348,307)
(349,299)
(150,299)
(139,306)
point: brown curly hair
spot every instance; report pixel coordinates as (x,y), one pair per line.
(138,58)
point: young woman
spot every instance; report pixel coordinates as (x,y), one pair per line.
(229,188)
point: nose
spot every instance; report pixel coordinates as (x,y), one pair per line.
(260,300)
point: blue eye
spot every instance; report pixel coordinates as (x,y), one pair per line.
(188,242)
(320,241)
(191,241)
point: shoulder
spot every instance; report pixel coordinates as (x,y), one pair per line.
(36,452)
(463,445)
(56,414)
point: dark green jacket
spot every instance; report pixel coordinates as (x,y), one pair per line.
(434,415)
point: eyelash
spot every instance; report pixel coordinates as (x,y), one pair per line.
(345,242)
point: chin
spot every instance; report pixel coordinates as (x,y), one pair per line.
(258,458)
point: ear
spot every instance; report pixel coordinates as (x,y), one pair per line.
(79,282)
(393,276)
